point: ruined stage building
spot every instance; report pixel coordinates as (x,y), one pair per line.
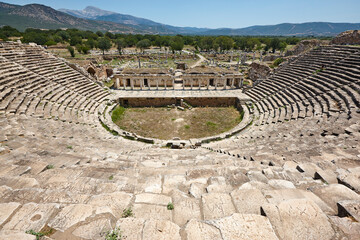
(192,78)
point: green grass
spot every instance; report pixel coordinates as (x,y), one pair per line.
(211,124)
(117,114)
(109,83)
(162,123)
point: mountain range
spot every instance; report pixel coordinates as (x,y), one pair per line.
(95,19)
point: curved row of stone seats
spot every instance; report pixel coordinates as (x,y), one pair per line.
(51,67)
(84,194)
(327,91)
(46,93)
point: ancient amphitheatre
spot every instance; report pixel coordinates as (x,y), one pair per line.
(289,169)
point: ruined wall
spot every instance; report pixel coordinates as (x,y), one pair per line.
(348,37)
(303,46)
(259,71)
(193,101)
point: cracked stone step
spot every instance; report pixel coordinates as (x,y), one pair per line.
(298,219)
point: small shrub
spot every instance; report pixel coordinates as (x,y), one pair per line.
(69,147)
(127,213)
(39,234)
(187,127)
(278,61)
(114,234)
(50,166)
(111,177)
(170,206)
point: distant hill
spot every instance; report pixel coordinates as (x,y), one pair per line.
(289,29)
(140,24)
(95,19)
(43,17)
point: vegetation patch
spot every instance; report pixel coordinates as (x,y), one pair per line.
(163,123)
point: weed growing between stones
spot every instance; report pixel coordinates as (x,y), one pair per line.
(170,206)
(114,234)
(127,213)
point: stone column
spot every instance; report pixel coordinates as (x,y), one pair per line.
(117,83)
(199,84)
(232,82)
(184,81)
(225,82)
(216,80)
(241,83)
(157,84)
(132,83)
(192,84)
(141,83)
(208,83)
(173,81)
(165,83)
(149,83)
(124,83)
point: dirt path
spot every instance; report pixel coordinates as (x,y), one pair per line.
(197,63)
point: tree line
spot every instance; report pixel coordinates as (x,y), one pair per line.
(84,41)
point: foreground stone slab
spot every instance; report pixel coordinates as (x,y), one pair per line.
(279,195)
(217,205)
(244,226)
(172,182)
(117,202)
(6,209)
(349,208)
(161,230)
(31,216)
(348,226)
(352,180)
(70,215)
(196,230)
(152,199)
(185,208)
(12,235)
(131,228)
(327,176)
(280,184)
(94,230)
(333,193)
(299,219)
(147,211)
(248,201)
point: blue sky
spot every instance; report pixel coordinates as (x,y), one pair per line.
(221,13)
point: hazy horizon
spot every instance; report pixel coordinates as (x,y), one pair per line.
(216,14)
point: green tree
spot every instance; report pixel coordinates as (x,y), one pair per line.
(225,43)
(275,44)
(143,44)
(177,44)
(120,44)
(71,51)
(75,40)
(104,44)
